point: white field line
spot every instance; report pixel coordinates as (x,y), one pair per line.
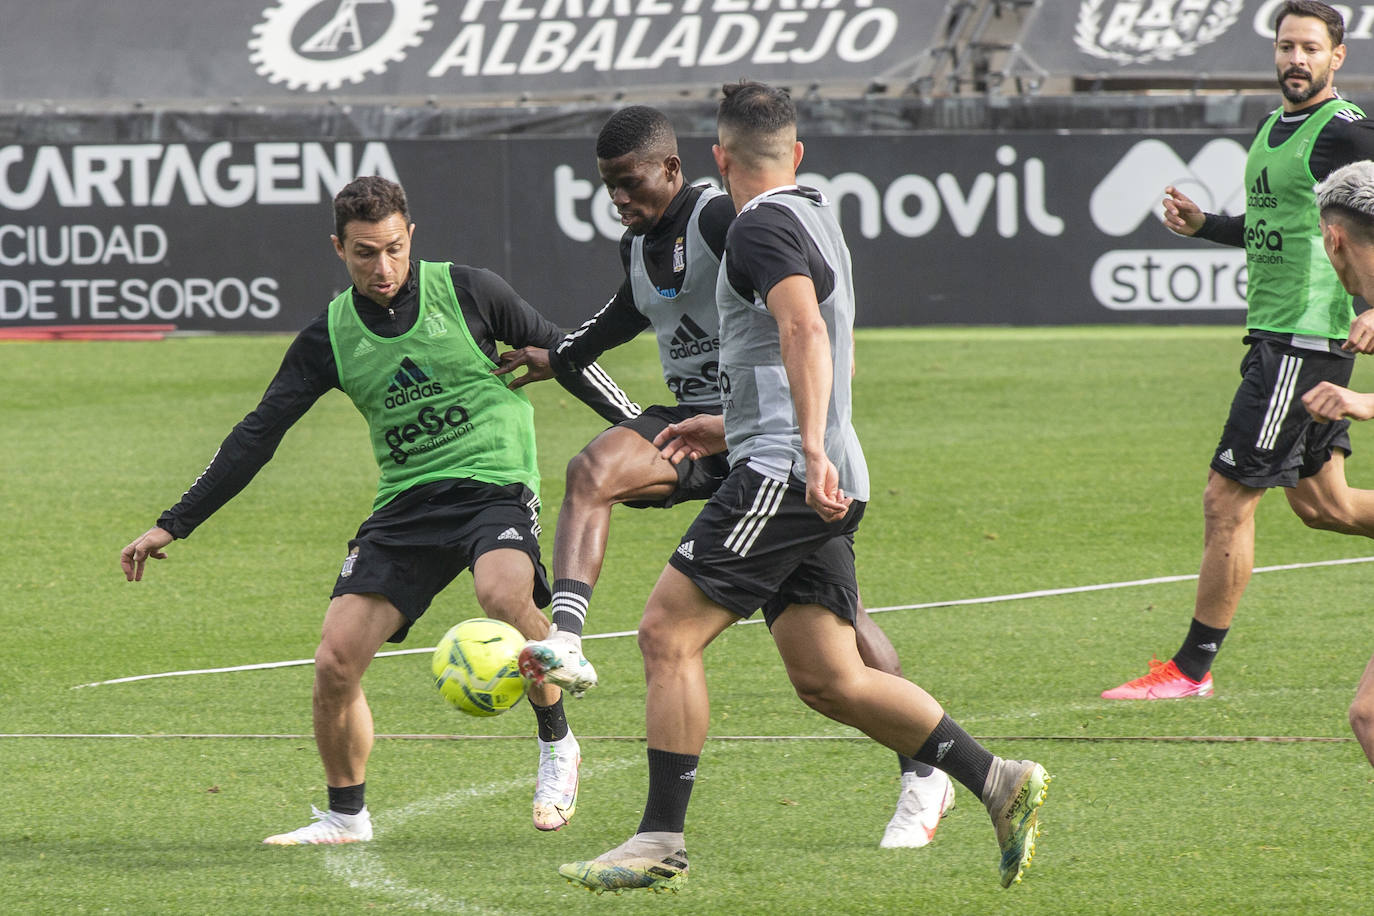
(957,602)
(363,868)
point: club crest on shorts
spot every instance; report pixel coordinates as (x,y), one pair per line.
(348,563)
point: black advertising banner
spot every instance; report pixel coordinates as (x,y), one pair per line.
(1198,38)
(1018,228)
(168,49)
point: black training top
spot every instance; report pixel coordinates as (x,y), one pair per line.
(771,246)
(619,320)
(493,312)
(1340,142)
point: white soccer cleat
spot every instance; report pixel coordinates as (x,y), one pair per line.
(924,800)
(557,659)
(555,788)
(330,827)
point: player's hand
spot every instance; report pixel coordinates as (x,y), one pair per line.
(1361,338)
(1181,215)
(534,359)
(1328,402)
(694,438)
(148,544)
(823,491)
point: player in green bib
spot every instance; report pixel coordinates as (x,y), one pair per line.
(1300,333)
(413,345)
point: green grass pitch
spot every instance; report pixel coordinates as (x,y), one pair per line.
(1004,461)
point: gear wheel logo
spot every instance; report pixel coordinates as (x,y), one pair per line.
(353,55)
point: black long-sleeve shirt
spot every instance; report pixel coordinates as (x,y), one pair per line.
(619,320)
(1339,143)
(492,311)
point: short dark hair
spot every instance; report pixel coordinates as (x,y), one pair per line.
(1335,23)
(370,199)
(756,108)
(636,129)
(759,120)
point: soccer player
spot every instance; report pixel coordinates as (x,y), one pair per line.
(671,250)
(1300,333)
(413,345)
(1346,202)
(778,533)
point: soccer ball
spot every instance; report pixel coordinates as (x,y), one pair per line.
(477,666)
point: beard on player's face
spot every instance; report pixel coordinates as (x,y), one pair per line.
(1302,91)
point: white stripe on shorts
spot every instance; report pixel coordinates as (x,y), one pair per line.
(748,529)
(1279,401)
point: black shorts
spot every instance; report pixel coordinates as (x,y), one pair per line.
(413,547)
(696,479)
(1270,440)
(757,544)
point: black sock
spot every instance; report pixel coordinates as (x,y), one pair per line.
(346,799)
(1199,650)
(955,751)
(570,600)
(912,765)
(671,777)
(553,725)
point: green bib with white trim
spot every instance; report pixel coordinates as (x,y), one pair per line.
(1292,287)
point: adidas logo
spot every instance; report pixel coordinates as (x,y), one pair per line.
(690,339)
(1260,194)
(510,534)
(1208,647)
(690,775)
(942,749)
(410,384)
(685,549)
(363,348)
(408,374)
(1227,458)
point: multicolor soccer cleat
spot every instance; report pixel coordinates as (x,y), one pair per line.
(1163,682)
(600,875)
(558,659)
(1017,791)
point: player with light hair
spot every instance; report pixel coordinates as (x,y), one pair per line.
(1346,201)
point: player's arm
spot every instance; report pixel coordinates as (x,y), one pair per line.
(1327,402)
(617,321)
(1182,216)
(695,437)
(511,319)
(805,344)
(306,372)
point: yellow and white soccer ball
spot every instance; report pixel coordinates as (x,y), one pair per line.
(477,666)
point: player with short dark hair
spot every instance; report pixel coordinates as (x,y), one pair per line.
(1299,334)
(778,533)
(671,249)
(1346,202)
(413,345)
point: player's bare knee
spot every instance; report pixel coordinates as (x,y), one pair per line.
(588,476)
(335,671)
(1361,715)
(826,698)
(1325,515)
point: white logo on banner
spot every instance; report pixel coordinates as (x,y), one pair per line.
(1141,31)
(354,52)
(1134,188)
(1205,277)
